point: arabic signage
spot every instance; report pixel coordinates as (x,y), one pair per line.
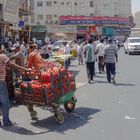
(98,20)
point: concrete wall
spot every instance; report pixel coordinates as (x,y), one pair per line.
(11,11)
(121,8)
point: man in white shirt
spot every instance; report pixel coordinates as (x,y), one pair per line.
(100,51)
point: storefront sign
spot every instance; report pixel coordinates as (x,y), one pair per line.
(21,24)
(108,31)
(122,30)
(92,20)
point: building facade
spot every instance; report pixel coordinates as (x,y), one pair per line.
(51,13)
(137,19)
(13,17)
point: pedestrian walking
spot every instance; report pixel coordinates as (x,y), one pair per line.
(80,52)
(111,57)
(4,97)
(100,52)
(90,57)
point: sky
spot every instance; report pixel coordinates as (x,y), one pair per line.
(135,5)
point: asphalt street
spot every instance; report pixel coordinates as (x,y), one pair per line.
(103,112)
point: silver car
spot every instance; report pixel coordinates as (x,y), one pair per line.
(132,45)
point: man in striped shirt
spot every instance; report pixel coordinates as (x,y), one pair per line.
(4,97)
(110,57)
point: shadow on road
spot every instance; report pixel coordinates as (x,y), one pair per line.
(101,82)
(80,117)
(73,121)
(123,84)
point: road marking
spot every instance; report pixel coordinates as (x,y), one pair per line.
(78,116)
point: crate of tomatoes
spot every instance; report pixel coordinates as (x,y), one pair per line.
(50,83)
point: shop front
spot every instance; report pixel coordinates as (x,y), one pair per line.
(82,32)
(38,34)
(96,26)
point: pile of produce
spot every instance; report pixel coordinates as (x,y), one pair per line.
(47,85)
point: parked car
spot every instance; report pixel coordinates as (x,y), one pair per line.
(132,45)
(58,44)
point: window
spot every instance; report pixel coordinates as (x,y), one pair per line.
(55,2)
(91,3)
(48,3)
(75,3)
(40,17)
(91,14)
(39,3)
(49,17)
(62,3)
(106,6)
(81,4)
(68,4)
(55,16)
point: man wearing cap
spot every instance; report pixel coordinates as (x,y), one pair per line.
(110,57)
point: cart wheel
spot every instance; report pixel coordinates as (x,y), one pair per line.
(69,106)
(59,118)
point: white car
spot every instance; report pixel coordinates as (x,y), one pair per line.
(57,45)
(132,45)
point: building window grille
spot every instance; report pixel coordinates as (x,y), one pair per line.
(62,3)
(91,3)
(40,17)
(39,3)
(55,16)
(49,17)
(48,3)
(55,2)
(106,6)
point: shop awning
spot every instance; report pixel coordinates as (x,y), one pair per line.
(14,28)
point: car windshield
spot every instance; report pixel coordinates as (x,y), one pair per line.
(134,40)
(58,43)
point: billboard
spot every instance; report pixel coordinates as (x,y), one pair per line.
(98,20)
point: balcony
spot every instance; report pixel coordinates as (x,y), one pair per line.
(24,9)
(24,12)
